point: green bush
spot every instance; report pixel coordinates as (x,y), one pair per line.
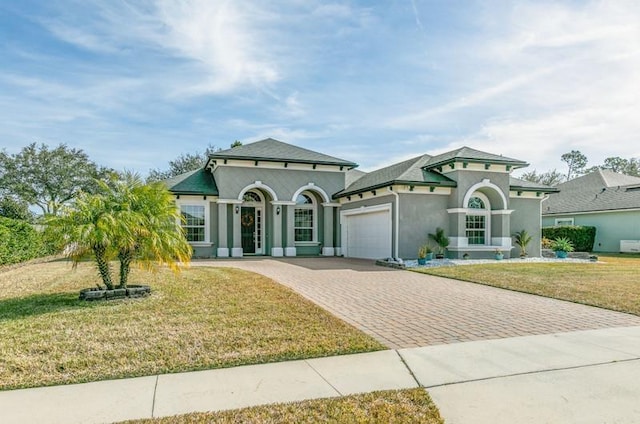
(19,242)
(581,237)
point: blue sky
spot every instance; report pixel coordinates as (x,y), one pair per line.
(136,83)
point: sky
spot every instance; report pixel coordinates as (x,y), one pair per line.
(136,83)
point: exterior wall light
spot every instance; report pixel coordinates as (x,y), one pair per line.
(237,209)
(278,210)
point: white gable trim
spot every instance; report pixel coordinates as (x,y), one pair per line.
(484,183)
(260,185)
(312,187)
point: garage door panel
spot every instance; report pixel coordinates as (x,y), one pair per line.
(368,234)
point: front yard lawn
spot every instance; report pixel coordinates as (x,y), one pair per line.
(388,407)
(202,318)
(612,283)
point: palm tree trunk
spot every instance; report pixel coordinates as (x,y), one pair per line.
(125,258)
(103,265)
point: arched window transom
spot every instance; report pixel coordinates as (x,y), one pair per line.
(251,196)
(476,203)
(304,199)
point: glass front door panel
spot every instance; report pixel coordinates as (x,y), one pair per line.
(248,229)
(258,230)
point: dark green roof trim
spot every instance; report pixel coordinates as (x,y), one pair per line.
(198,183)
(534,189)
(348,165)
(514,163)
(449,183)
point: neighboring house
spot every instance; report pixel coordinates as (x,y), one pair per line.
(273,198)
(604,199)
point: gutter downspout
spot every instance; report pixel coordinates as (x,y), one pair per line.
(396,222)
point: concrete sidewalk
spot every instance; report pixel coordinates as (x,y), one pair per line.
(584,376)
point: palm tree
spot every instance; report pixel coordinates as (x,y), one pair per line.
(127,219)
(522,239)
(440,239)
(85,229)
(147,225)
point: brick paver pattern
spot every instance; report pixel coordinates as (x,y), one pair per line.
(405,309)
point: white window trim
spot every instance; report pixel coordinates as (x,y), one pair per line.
(557,220)
(207,215)
(314,223)
(480,212)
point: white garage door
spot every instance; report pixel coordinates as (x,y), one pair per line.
(367,233)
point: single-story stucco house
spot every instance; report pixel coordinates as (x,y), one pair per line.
(273,198)
(603,199)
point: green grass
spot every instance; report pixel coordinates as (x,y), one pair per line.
(612,283)
(388,407)
(202,318)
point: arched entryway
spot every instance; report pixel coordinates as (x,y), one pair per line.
(252,223)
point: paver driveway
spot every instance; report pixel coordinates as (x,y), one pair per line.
(406,309)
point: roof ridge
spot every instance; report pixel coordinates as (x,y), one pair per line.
(270,149)
(471,154)
(607,174)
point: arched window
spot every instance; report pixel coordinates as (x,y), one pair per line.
(305,218)
(478,218)
(476,203)
(251,196)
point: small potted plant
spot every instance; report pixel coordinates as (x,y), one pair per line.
(441,240)
(562,246)
(522,239)
(422,255)
(499,255)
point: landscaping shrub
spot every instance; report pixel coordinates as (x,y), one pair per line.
(19,242)
(582,237)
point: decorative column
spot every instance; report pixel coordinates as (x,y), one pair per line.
(328,246)
(457,228)
(290,250)
(278,210)
(223,250)
(236,251)
(501,228)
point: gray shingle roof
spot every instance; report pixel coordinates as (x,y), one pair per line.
(600,190)
(517,183)
(198,182)
(353,175)
(408,171)
(472,155)
(274,150)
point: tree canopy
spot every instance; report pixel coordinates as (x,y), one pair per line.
(49,178)
(549,178)
(576,163)
(620,165)
(14,209)
(184,163)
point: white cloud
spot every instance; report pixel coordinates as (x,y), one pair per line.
(546,78)
(223,38)
(224,43)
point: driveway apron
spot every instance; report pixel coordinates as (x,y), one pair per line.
(404,309)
